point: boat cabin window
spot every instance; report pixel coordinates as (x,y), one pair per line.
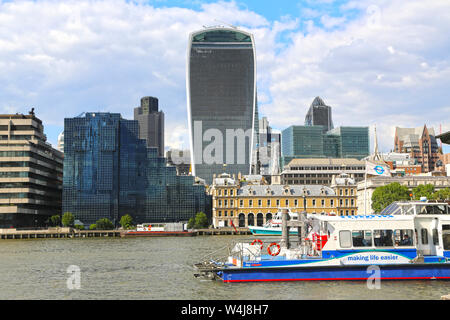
(433,209)
(362,238)
(345,239)
(446,236)
(403,238)
(424,236)
(435,237)
(383,238)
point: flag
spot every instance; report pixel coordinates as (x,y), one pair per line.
(377,169)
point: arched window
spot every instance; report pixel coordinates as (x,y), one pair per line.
(241,220)
(268,217)
(259,219)
(251,219)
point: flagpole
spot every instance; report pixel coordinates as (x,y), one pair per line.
(365,192)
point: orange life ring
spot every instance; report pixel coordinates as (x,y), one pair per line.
(258,241)
(276,252)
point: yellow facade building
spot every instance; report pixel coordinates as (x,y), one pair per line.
(253,202)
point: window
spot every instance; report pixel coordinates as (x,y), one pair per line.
(287,203)
(220,203)
(259,202)
(435,237)
(278,203)
(383,238)
(424,236)
(220,213)
(225,203)
(268,202)
(361,238)
(446,236)
(403,238)
(296,202)
(314,202)
(250,203)
(345,239)
(332,203)
(225,192)
(231,203)
(226,213)
(323,203)
(231,192)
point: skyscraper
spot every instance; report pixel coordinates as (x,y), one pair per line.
(110,172)
(151,123)
(319,114)
(221,101)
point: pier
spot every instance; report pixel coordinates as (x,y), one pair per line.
(6,234)
(57,233)
(222,231)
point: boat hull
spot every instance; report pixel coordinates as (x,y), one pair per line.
(430,271)
(263,231)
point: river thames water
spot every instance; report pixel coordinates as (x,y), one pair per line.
(161,269)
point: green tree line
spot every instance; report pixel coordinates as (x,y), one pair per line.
(385,195)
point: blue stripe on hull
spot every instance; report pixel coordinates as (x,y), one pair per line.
(387,272)
(261,232)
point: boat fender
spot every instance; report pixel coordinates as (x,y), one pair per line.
(257,241)
(275,253)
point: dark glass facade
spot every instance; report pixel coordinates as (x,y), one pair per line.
(110,172)
(221,95)
(151,123)
(319,114)
(312,142)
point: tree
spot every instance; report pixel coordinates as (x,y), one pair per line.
(55,220)
(68,219)
(385,195)
(423,190)
(191,223)
(441,195)
(93,226)
(201,220)
(104,224)
(126,221)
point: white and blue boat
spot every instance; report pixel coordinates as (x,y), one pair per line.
(412,242)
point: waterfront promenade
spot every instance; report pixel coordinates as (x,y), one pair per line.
(65,232)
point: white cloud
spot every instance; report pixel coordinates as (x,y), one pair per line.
(388,67)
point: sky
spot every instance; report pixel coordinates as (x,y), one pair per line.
(382,63)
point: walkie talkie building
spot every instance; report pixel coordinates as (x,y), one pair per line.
(221,101)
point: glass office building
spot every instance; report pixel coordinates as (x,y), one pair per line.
(221,96)
(110,172)
(319,114)
(311,142)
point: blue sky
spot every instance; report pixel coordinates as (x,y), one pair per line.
(377,63)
